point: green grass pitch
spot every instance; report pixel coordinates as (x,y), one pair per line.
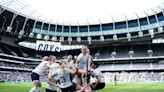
(121,87)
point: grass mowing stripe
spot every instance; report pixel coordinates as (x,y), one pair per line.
(122,87)
(135,87)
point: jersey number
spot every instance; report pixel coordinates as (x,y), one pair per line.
(63,80)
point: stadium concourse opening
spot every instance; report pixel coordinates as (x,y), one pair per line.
(81,45)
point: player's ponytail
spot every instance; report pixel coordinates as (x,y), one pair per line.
(62,67)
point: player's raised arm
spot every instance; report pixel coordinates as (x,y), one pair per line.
(52,74)
(74,69)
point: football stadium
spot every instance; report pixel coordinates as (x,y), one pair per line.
(81,45)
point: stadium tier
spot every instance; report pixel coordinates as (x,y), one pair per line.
(129,50)
(144,57)
(22,26)
(134,76)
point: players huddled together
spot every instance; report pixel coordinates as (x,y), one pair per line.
(68,75)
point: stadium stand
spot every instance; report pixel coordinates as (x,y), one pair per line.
(123,51)
(134,76)
(122,48)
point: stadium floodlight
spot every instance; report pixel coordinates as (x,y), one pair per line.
(61,39)
(31,35)
(21,33)
(9,29)
(97,55)
(69,40)
(19,36)
(101,38)
(151,33)
(150,52)
(39,36)
(115,37)
(128,36)
(113,54)
(131,53)
(54,38)
(89,39)
(78,39)
(160,30)
(140,34)
(46,37)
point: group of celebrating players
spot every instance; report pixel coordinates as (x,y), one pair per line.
(80,75)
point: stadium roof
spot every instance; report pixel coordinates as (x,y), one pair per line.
(84,12)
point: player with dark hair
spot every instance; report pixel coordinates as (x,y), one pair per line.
(75,59)
(100,80)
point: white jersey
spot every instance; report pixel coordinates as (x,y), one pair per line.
(64,79)
(98,73)
(54,66)
(76,80)
(40,68)
(69,64)
(82,60)
(92,80)
(51,87)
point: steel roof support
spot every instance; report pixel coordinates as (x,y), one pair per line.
(114,29)
(101,32)
(140,33)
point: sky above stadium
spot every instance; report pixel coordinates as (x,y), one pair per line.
(79,10)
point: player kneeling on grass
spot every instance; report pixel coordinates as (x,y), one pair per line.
(98,77)
(77,81)
(39,70)
(64,78)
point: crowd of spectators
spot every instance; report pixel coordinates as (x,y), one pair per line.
(14,65)
(17,77)
(134,76)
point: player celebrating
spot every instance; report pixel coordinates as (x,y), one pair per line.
(64,78)
(100,80)
(36,74)
(51,84)
(69,62)
(83,61)
(75,59)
